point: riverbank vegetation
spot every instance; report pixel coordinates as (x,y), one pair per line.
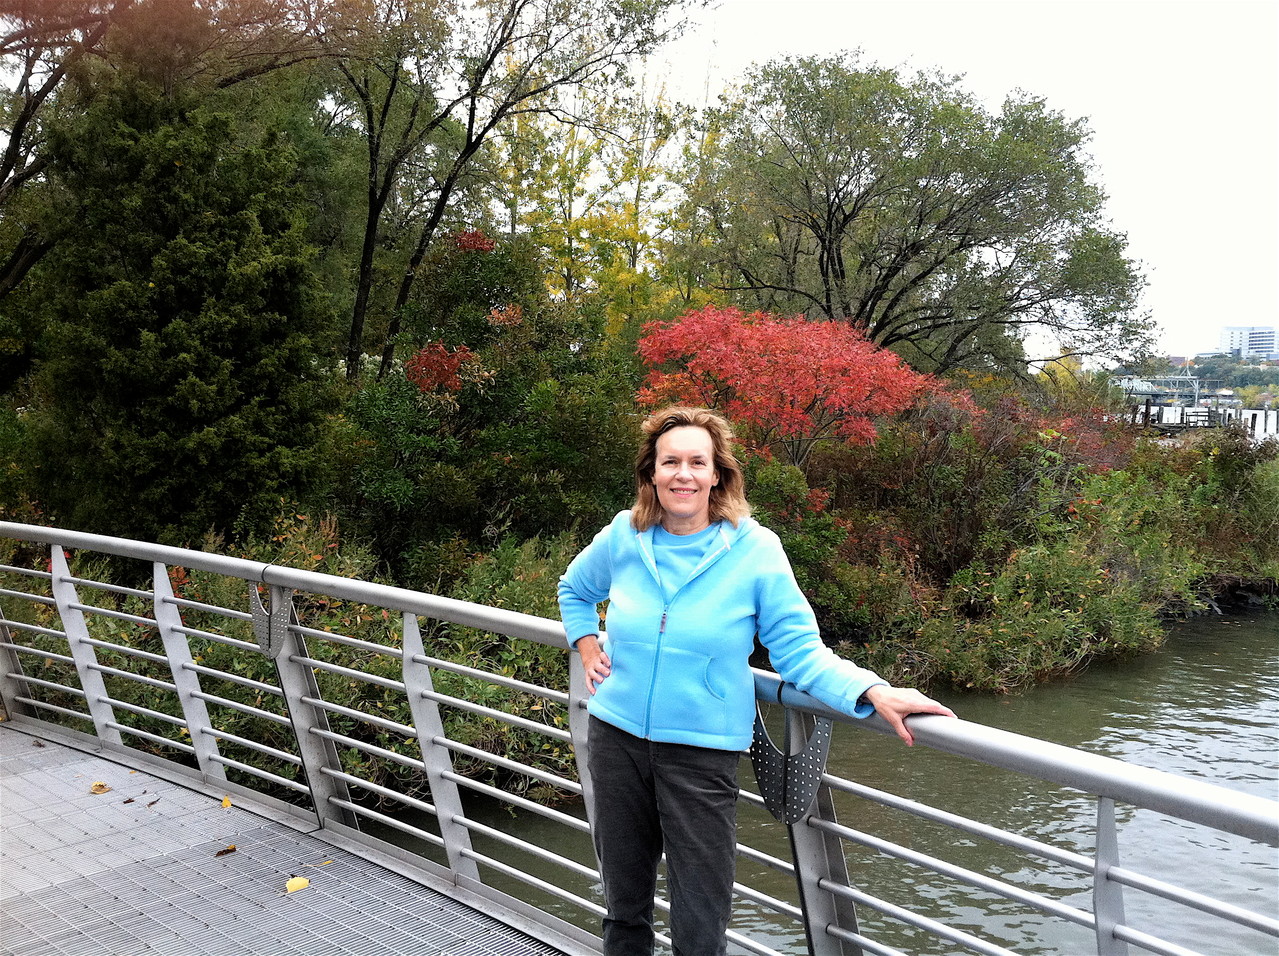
(355,288)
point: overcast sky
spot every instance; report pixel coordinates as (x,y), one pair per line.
(1182,97)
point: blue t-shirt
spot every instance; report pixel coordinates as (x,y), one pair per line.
(678,554)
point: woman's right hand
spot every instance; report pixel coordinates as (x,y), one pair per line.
(595,663)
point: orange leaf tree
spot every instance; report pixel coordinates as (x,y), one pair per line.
(793,383)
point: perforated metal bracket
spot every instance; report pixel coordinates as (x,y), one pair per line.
(270,627)
(788,782)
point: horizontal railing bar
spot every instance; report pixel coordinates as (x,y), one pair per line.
(281,755)
(501,715)
(549,813)
(233,678)
(27,572)
(1075,860)
(129,675)
(220,639)
(137,652)
(903,915)
(764,859)
(52,685)
(964,875)
(387,792)
(242,708)
(368,748)
(115,615)
(424,835)
(1206,904)
(533,881)
(32,628)
(384,722)
(347,672)
(28,596)
(1152,944)
(533,690)
(572,786)
(104,586)
(217,609)
(745,942)
(260,773)
(866,945)
(537,852)
(154,738)
(55,708)
(144,711)
(780,907)
(332,637)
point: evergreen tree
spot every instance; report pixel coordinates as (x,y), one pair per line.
(178,389)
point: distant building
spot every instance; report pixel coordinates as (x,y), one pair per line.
(1249,341)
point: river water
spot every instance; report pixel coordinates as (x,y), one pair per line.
(1205,706)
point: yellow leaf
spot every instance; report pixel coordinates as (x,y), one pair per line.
(296,883)
(99,787)
(226,802)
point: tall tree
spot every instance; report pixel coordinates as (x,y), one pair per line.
(178,388)
(905,208)
(433,85)
(43,41)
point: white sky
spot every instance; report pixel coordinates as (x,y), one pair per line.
(1182,97)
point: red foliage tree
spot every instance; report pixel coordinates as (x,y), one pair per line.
(792,382)
(434,367)
(474,240)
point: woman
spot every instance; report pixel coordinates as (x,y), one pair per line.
(690,579)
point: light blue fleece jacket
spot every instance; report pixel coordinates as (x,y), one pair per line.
(680,668)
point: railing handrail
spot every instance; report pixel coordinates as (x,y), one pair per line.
(1191,800)
(539,629)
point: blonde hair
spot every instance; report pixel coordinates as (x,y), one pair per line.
(727,499)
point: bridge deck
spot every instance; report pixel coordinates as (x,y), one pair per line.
(136,870)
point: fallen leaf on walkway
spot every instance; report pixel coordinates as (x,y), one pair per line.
(154,802)
(229,849)
(296,883)
(130,800)
(226,802)
(99,787)
(37,743)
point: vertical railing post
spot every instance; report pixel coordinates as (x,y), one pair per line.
(1107,895)
(579,722)
(169,620)
(317,752)
(819,855)
(86,661)
(436,758)
(11,682)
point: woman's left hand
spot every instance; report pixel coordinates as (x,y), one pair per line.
(895,704)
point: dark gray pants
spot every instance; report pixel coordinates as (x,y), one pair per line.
(654,796)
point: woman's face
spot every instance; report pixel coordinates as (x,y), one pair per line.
(684,474)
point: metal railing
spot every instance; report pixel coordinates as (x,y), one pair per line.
(390,722)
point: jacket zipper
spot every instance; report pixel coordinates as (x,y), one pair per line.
(652,681)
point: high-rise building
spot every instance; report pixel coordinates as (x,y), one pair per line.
(1249,341)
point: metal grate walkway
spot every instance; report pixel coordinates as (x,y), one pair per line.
(136,870)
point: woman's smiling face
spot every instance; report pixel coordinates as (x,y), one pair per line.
(684,475)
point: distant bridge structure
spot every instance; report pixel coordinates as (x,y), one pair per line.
(1166,389)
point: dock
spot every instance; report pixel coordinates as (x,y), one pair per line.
(144,865)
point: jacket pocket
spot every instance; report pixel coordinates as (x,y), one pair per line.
(685,699)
